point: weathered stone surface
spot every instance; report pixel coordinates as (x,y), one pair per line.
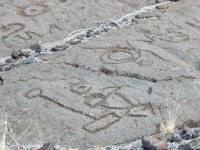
(45,21)
(108,90)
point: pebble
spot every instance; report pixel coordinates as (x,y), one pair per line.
(89,33)
(151,143)
(16,54)
(27,61)
(190,131)
(36,47)
(1,81)
(74,41)
(59,48)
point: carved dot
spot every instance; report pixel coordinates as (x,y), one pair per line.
(33,10)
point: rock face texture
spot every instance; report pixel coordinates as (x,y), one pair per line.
(25,22)
(108,90)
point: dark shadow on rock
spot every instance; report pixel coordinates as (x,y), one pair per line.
(1,81)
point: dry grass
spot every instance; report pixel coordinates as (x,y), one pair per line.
(5,131)
(8,140)
(171,119)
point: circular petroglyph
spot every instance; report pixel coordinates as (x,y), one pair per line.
(80,88)
(173,36)
(118,56)
(33,10)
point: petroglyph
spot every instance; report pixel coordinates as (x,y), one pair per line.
(80,88)
(118,55)
(174,36)
(107,78)
(102,123)
(111,102)
(33,10)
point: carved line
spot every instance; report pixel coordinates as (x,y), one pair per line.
(148,105)
(119,49)
(80,86)
(104,127)
(20,28)
(57,103)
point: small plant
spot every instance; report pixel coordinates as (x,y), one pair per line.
(6,133)
(8,140)
(171,119)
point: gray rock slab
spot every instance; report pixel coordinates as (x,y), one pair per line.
(24,22)
(114,88)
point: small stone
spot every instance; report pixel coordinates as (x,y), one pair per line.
(114,24)
(177,139)
(74,42)
(162,7)
(145,15)
(1,81)
(97,33)
(59,48)
(135,21)
(16,54)
(27,61)
(185,147)
(89,33)
(81,37)
(152,143)
(190,131)
(25,54)
(195,144)
(187,136)
(36,47)
(47,146)
(105,30)
(149,91)
(170,137)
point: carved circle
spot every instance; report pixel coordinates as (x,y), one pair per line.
(80,88)
(119,56)
(173,36)
(33,10)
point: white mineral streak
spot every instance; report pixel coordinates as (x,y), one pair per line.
(46,48)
